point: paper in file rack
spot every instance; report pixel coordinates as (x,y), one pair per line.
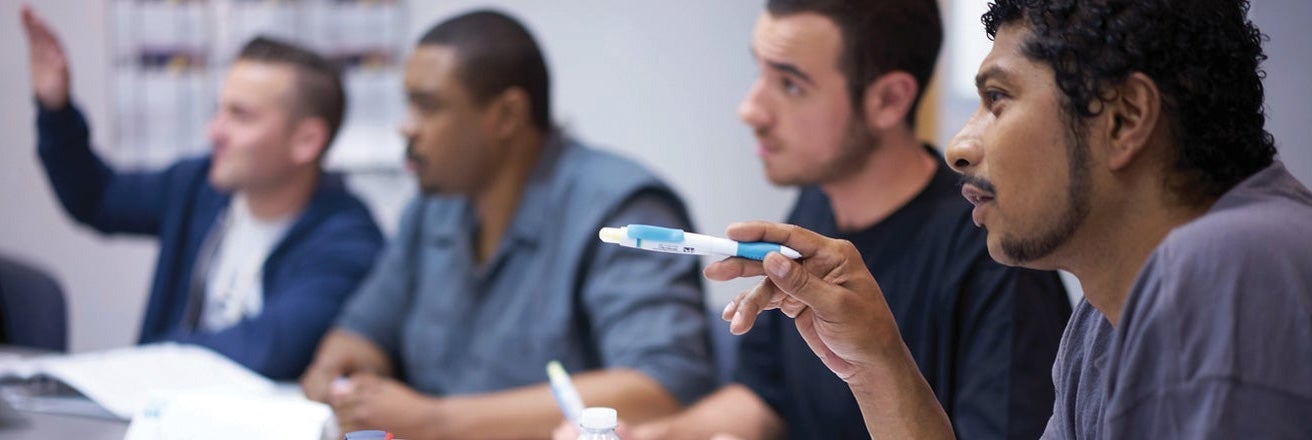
(124,380)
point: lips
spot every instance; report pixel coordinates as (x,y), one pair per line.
(978,197)
(413,160)
(975,195)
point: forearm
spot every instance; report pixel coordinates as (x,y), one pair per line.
(734,410)
(64,145)
(531,412)
(896,402)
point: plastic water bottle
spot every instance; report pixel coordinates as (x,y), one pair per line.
(598,424)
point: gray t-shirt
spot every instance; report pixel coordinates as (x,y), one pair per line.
(1215,339)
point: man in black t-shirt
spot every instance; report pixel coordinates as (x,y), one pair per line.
(834,116)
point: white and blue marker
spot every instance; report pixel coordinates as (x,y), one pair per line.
(562,388)
(656,238)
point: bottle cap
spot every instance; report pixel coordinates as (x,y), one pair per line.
(368,435)
(599,418)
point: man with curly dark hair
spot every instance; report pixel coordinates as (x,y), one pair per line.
(1121,140)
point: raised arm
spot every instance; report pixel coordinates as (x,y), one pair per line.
(841,314)
(49,65)
(90,190)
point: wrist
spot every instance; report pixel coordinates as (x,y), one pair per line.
(437,411)
(890,362)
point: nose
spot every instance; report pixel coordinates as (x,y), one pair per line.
(752,110)
(966,151)
(214,131)
(407,128)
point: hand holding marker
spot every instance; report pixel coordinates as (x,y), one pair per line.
(655,238)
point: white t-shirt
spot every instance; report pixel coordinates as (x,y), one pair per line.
(234,286)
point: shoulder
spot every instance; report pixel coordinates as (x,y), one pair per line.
(1266,218)
(191,166)
(601,170)
(185,183)
(1243,263)
(603,180)
(190,173)
(336,225)
(1240,241)
(339,209)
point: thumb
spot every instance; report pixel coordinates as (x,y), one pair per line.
(791,278)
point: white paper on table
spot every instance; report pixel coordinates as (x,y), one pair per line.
(225,416)
(124,380)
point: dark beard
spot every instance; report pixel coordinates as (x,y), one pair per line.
(1025,249)
(858,143)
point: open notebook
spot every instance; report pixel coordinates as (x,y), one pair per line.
(159,386)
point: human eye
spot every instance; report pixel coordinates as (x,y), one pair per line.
(992,99)
(790,87)
(423,106)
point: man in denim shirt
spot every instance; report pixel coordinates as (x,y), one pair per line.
(497,269)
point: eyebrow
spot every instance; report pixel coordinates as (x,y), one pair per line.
(418,96)
(991,72)
(787,68)
(791,70)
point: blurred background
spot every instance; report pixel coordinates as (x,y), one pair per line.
(659,82)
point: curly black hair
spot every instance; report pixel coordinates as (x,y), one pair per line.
(1204,56)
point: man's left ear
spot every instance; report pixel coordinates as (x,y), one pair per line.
(888,99)
(309,139)
(509,112)
(1132,119)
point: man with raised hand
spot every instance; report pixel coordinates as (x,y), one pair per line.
(259,247)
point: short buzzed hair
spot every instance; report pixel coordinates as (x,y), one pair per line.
(318,88)
(879,36)
(496,53)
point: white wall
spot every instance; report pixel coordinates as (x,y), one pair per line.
(656,81)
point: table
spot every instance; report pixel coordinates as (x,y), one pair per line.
(43,426)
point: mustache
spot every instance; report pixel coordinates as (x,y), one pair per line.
(410,152)
(978,182)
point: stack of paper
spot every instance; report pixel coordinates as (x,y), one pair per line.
(222,416)
(180,391)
